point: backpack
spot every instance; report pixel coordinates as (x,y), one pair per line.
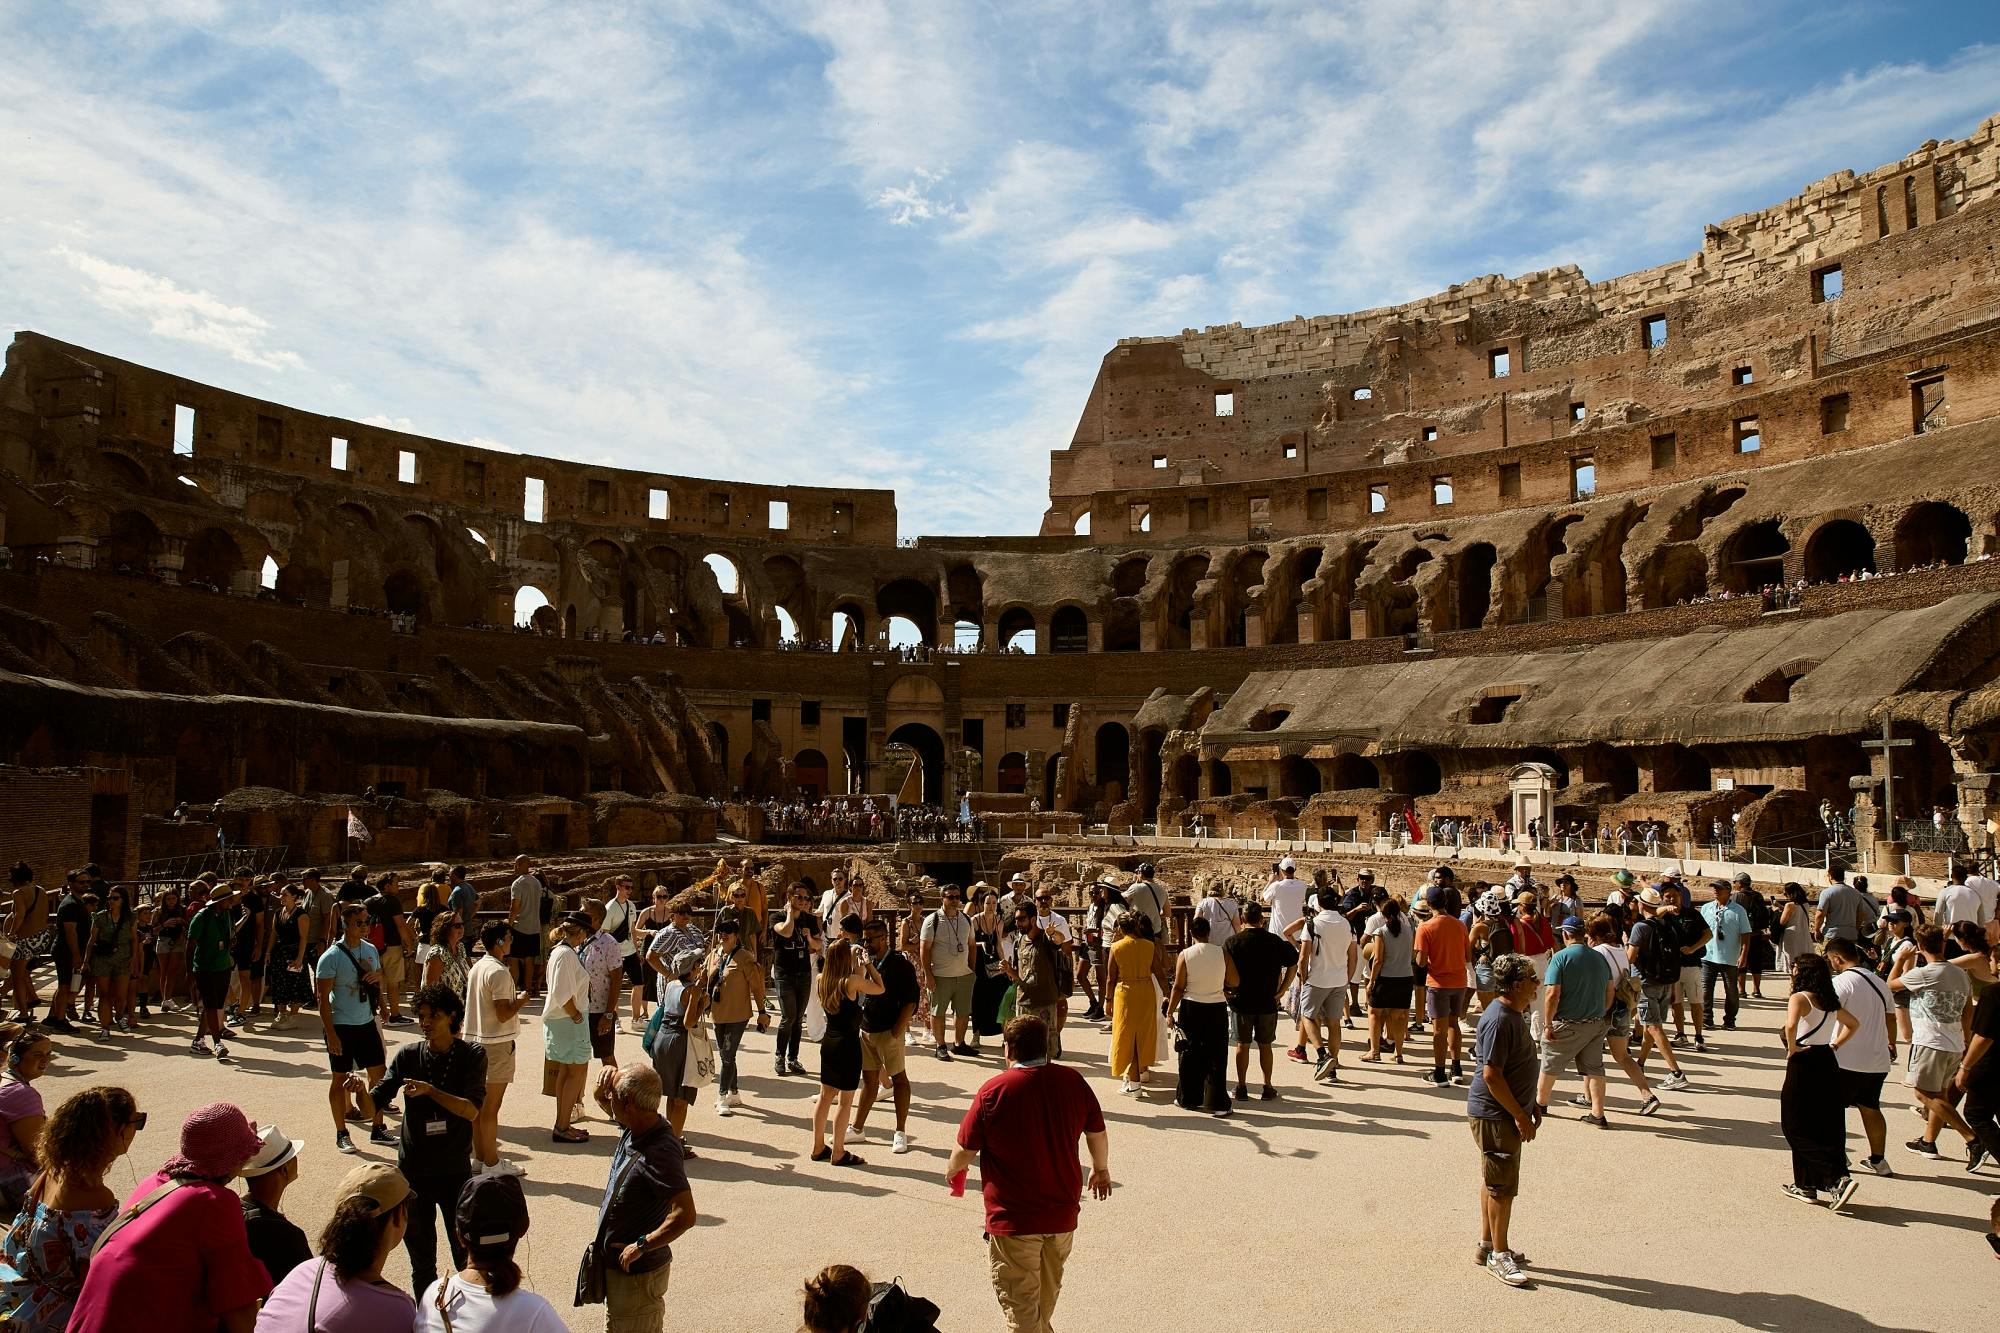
(891,1309)
(1659,954)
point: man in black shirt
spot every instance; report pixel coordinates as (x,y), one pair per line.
(1264,964)
(443,1080)
(884,1020)
(72,922)
(250,941)
(795,936)
(385,915)
(277,1241)
(354,889)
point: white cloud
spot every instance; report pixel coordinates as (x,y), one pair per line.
(922,199)
(171,311)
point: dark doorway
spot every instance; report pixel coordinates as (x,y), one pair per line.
(930,751)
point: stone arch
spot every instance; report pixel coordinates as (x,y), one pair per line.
(1399,592)
(1472,577)
(1011,776)
(1176,602)
(1753,556)
(929,748)
(533,608)
(1676,573)
(1298,777)
(301,581)
(213,557)
(1147,790)
(1932,532)
(965,594)
(1017,623)
(785,578)
(1128,576)
(1121,626)
(1069,630)
(910,600)
(809,773)
(1527,596)
(850,626)
(131,541)
(1112,753)
(1233,593)
(1220,781)
(1838,547)
(1285,593)
(123,472)
(1594,580)
(1351,772)
(405,593)
(356,514)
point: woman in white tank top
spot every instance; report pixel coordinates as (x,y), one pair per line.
(1810,1106)
(1202,975)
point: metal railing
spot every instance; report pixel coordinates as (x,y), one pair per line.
(178,870)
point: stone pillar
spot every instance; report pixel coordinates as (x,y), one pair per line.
(1253,627)
(1361,622)
(1149,635)
(1308,625)
(169,560)
(1978,803)
(1093,636)
(1198,632)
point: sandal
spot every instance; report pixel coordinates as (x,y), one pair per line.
(848,1159)
(570,1135)
(819,1154)
(1371,1059)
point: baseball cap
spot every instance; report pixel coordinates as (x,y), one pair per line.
(1572,925)
(1434,895)
(381,1184)
(1288,863)
(1742,877)
(1525,896)
(273,1151)
(492,1209)
(1897,914)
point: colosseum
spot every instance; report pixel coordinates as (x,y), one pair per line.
(1662,556)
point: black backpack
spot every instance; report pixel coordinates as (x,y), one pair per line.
(1659,954)
(891,1309)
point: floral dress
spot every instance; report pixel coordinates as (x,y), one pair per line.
(42,1261)
(288,984)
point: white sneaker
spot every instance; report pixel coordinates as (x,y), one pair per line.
(507,1167)
(857,1135)
(1501,1265)
(722,1106)
(901,1143)
(736,1100)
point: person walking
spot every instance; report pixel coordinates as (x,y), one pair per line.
(945,966)
(798,940)
(492,1022)
(1022,1130)
(1576,1000)
(1791,929)
(1129,982)
(1865,1059)
(1811,1115)
(885,1020)
(1203,977)
(44,1254)
(735,988)
(209,935)
(1603,934)
(647,1203)
(1940,1000)
(1442,945)
(1034,966)
(527,899)
(848,976)
(565,1026)
(1498,1110)
(1652,948)
(1327,956)
(28,916)
(348,977)
(112,941)
(989,986)
(288,976)
(1978,1076)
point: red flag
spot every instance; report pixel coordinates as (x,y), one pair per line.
(1410,818)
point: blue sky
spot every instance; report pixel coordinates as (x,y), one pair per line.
(856,243)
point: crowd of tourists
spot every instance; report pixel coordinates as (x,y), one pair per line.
(1505,991)
(864,819)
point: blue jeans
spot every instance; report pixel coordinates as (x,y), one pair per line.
(728,1036)
(1732,984)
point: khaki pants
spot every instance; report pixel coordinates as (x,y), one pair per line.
(1027,1277)
(635,1303)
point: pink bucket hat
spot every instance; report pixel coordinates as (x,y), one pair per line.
(216,1142)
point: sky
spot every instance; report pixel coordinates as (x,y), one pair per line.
(857,243)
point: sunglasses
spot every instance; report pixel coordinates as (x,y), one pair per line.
(138,1121)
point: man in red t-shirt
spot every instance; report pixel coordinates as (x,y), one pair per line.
(1023,1126)
(1441,947)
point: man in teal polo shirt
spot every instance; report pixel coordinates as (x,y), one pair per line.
(1576,999)
(1728,948)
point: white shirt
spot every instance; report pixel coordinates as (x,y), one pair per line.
(1055,925)
(1958,902)
(1206,971)
(569,983)
(950,938)
(473,1310)
(1867,998)
(488,981)
(615,912)
(1331,936)
(1287,900)
(1147,897)
(1989,896)
(1621,963)
(1222,914)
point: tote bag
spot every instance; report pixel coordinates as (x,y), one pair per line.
(699,1071)
(815,1017)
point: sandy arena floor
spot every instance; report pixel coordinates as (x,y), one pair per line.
(1345,1209)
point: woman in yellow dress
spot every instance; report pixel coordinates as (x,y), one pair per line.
(1129,978)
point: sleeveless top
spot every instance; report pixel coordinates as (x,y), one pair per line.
(1206,969)
(845,1022)
(1818,1027)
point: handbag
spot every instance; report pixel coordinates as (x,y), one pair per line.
(590,1275)
(700,1068)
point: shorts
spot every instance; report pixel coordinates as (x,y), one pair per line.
(1482,977)
(499,1061)
(1259,1028)
(953,993)
(604,1044)
(1862,1090)
(1691,983)
(635,968)
(1930,1069)
(527,947)
(1620,1019)
(392,971)
(65,968)
(1578,1043)
(1391,992)
(1325,1005)
(360,1048)
(245,957)
(213,987)
(882,1051)
(1656,1004)
(1500,1152)
(565,1041)
(1446,1001)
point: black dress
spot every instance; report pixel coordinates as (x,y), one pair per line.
(287,984)
(989,986)
(840,1048)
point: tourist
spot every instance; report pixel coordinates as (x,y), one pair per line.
(348,977)
(735,986)
(1568,902)
(1326,961)
(645,987)
(1284,896)
(443,1081)
(319,903)
(485,1295)
(605,966)
(1489,935)
(797,940)
(885,1018)
(1758,953)
(1896,953)
(1142,895)
(1262,965)
(250,941)
(279,1243)
(343,1291)
(43,1256)
(842,898)
(1865,1057)
(430,905)
(72,928)
(1034,965)
(1844,912)
(1535,931)
(1222,912)
(1497,1109)
(1692,934)
(463,900)
(1726,954)
(1940,996)
(26,1052)
(170,920)
(679,1010)
(837,1298)
(1654,952)
(176,1259)
(1203,977)
(1602,932)
(1812,1117)
(848,976)
(990,983)
(674,934)
(1390,941)
(1441,947)
(1576,1004)
(647,1202)
(1022,1129)
(209,935)
(945,966)
(1791,931)
(565,1034)
(1978,1076)
(1133,1016)
(1019,890)
(492,1022)
(443,961)
(527,897)
(1100,921)
(389,930)
(29,913)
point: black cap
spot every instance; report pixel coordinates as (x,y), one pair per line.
(491,1210)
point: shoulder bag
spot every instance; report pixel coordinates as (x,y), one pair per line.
(590,1268)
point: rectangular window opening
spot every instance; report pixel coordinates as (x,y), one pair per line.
(1225,404)
(808,712)
(1833,414)
(1362,394)
(1440,490)
(1826,283)
(1499,364)
(1429,433)
(659,504)
(843,518)
(406,467)
(1291,450)
(184,430)
(1576,411)
(718,509)
(1139,518)
(1260,516)
(1316,503)
(1742,375)
(474,479)
(1059,714)
(1197,516)
(1748,438)
(597,496)
(1017,716)
(1582,478)
(1928,406)
(1510,481)
(337,454)
(1160,462)
(760,710)
(1378,499)
(534,497)
(1653,332)
(1664,452)
(781,515)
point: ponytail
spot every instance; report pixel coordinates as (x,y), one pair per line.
(495,1263)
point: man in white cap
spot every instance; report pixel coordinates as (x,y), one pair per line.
(278,1242)
(1286,895)
(1019,891)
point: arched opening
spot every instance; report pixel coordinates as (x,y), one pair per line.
(130,544)
(718,738)
(1129,576)
(904,632)
(268,576)
(965,596)
(1017,630)
(124,474)
(200,772)
(1838,549)
(1081,526)
(1177,605)
(1246,575)
(809,773)
(1616,768)
(300,582)
(1185,779)
(1069,631)
(1297,777)
(1754,557)
(848,620)
(929,749)
(912,602)
(966,635)
(532,610)
(1676,574)
(726,577)
(403,594)
(212,558)
(1219,783)
(1420,775)
(1400,611)
(1012,774)
(788,629)
(1114,761)
(1121,626)
(1932,533)
(479,539)
(1475,584)
(1350,772)
(1150,742)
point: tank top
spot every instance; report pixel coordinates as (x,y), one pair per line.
(1206,969)
(1818,1027)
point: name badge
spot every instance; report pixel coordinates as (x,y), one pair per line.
(433,1128)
